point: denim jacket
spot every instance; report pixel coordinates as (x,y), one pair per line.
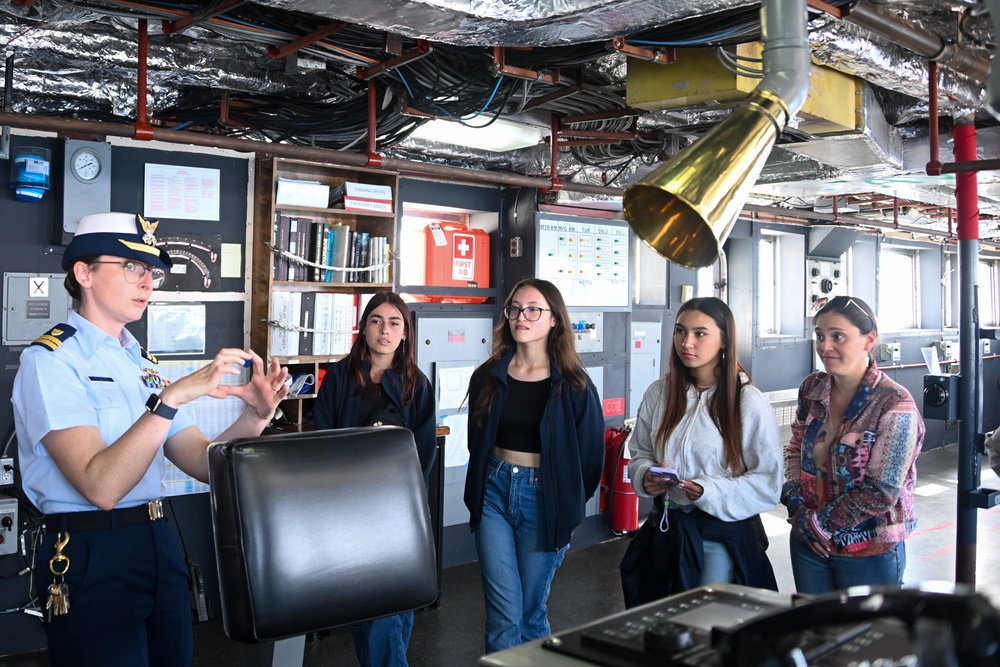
(867,506)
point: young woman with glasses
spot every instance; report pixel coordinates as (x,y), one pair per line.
(850,466)
(706,421)
(536,454)
(378,383)
(95,422)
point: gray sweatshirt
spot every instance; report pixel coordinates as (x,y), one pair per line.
(695,450)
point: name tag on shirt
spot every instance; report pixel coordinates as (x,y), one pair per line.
(97,378)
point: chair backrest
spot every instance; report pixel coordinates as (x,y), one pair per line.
(319,529)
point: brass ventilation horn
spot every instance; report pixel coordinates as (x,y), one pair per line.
(686,208)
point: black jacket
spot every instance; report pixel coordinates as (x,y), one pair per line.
(338,405)
(572,431)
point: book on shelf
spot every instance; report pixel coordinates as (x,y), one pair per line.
(292,246)
(304,234)
(361,257)
(369,197)
(286,307)
(341,239)
(344,320)
(307,322)
(317,233)
(323,323)
(280,241)
(328,253)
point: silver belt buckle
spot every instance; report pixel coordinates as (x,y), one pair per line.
(155,508)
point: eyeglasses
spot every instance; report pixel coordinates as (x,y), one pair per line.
(531,313)
(134,271)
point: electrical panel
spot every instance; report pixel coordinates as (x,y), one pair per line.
(588,329)
(8,525)
(947,350)
(644,361)
(889,352)
(825,279)
(33,303)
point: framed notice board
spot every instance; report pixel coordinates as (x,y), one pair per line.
(588,259)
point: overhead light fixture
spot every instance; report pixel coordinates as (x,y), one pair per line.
(500,135)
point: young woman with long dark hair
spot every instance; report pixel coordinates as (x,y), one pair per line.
(536,453)
(378,382)
(706,421)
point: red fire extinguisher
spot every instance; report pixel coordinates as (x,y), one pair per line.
(618,499)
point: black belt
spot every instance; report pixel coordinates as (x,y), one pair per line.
(71,521)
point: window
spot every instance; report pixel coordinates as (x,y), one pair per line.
(898,290)
(705,281)
(987,278)
(768,277)
(950,261)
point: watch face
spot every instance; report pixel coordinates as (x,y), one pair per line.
(86,165)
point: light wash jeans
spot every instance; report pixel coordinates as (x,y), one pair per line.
(824,574)
(517,572)
(718,566)
(382,642)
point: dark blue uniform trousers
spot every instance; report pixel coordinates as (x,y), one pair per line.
(128,596)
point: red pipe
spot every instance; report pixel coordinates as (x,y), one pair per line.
(143,130)
(966,189)
(374,159)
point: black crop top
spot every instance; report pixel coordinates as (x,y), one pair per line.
(522,415)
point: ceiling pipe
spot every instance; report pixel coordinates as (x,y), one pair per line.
(933,167)
(922,42)
(143,130)
(374,159)
(403,167)
(66,126)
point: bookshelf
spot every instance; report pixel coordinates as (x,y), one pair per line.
(309,284)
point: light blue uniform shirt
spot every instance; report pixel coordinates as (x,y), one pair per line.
(91,379)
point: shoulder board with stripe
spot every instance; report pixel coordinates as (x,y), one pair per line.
(55,336)
(147,355)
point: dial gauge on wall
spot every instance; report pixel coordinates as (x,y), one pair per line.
(86,164)
(86,184)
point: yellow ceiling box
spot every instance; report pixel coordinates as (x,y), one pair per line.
(698,77)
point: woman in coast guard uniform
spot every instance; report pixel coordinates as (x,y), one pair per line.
(95,422)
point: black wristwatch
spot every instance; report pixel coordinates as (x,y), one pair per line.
(158,407)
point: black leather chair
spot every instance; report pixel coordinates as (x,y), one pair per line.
(319,529)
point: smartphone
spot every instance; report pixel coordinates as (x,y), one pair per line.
(668,474)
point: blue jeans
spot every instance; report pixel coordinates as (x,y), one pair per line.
(718,566)
(382,642)
(823,574)
(517,570)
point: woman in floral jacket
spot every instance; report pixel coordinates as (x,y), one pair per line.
(850,467)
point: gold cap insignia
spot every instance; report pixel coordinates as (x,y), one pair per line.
(148,229)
